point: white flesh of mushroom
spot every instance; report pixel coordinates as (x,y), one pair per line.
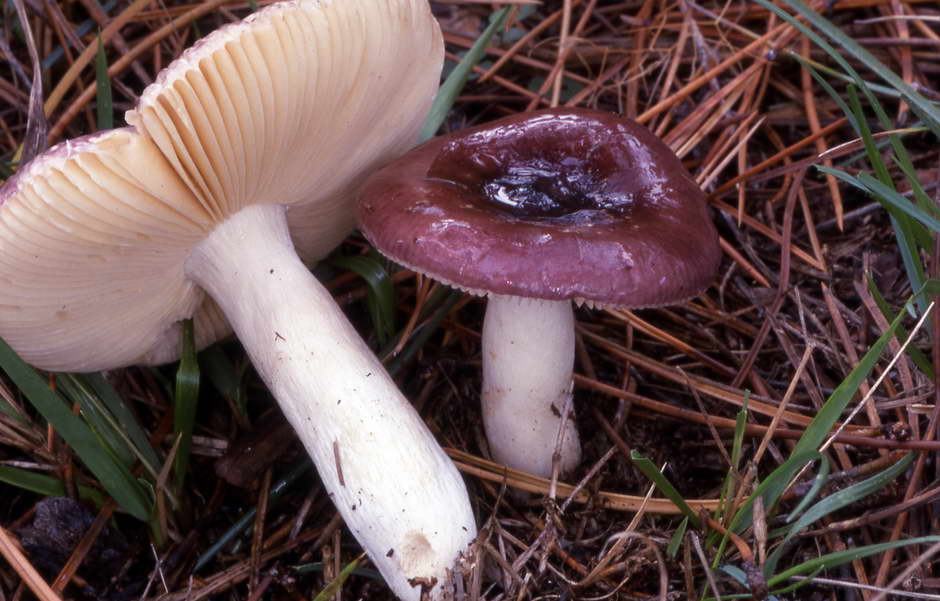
(396,489)
(528,357)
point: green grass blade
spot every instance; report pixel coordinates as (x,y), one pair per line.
(849,179)
(924,109)
(813,492)
(921,360)
(652,472)
(930,288)
(894,140)
(103,94)
(849,495)
(740,427)
(871,149)
(677,537)
(330,589)
(836,97)
(737,445)
(833,503)
(834,560)
(902,226)
(910,256)
(44,485)
(901,210)
(317,567)
(185,401)
(799,584)
(903,160)
(806,448)
(735,573)
(890,196)
(773,487)
(11,411)
(126,420)
(97,418)
(909,234)
(829,414)
(110,419)
(114,477)
(449,90)
(381,294)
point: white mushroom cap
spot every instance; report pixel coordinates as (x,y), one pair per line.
(94,233)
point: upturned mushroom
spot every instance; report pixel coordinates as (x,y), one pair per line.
(108,241)
(535,211)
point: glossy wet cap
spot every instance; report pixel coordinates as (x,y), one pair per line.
(553,204)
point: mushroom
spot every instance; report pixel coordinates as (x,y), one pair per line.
(534,211)
(108,241)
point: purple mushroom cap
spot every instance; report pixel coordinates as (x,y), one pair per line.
(553,204)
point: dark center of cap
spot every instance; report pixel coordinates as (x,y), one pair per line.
(546,168)
(555,204)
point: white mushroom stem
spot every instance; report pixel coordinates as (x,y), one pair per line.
(528,357)
(397,491)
